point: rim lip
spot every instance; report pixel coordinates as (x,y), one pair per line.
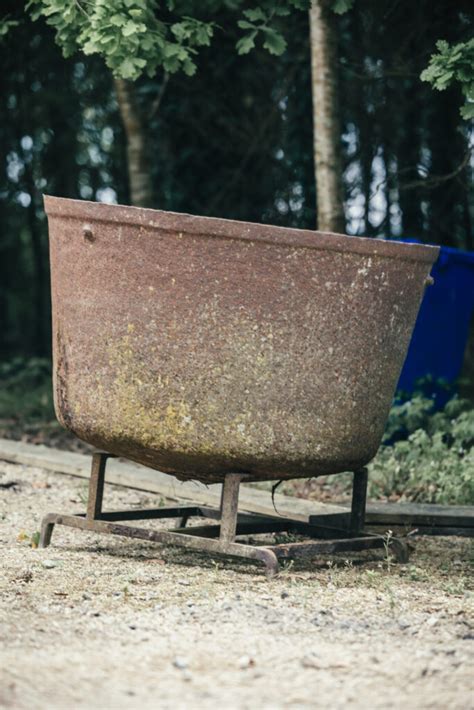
(160,220)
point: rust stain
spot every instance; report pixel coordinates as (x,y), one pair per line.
(202,347)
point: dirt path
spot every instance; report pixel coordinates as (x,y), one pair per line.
(96,622)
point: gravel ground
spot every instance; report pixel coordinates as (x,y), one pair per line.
(98,622)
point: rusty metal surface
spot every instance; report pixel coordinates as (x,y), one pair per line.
(201,346)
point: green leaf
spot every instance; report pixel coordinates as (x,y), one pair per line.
(467,111)
(245,25)
(6,25)
(189,67)
(255,15)
(342,6)
(274,42)
(127,69)
(117,20)
(129,29)
(246,43)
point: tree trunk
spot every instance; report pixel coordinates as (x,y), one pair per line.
(139,172)
(326,120)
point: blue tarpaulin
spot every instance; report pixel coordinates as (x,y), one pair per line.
(442,328)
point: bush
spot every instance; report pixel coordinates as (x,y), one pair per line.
(25,390)
(434,463)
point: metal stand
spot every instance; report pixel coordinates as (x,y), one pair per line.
(221,538)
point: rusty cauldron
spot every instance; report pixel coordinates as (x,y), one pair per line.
(202,347)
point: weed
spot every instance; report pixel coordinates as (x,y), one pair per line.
(371,578)
(216,566)
(387,539)
(83,494)
(415,574)
(285,567)
(32,540)
(456,587)
(285,538)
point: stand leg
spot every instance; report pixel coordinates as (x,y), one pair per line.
(229,505)
(96,485)
(221,539)
(47,527)
(94,502)
(359,499)
(182,522)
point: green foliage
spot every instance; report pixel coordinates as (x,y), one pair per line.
(128,34)
(453,64)
(342,6)
(135,37)
(435,463)
(258,23)
(6,24)
(25,390)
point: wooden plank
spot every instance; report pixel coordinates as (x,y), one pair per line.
(124,473)
(420,515)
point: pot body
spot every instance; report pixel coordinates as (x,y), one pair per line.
(201,346)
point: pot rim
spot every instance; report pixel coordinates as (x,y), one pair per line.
(161,220)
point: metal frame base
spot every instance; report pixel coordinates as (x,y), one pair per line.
(221,538)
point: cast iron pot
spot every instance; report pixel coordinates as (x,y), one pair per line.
(202,346)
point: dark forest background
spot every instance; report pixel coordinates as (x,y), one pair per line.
(234,141)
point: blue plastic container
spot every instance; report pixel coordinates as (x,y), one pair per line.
(442,328)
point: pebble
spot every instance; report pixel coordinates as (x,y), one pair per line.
(245,662)
(180,662)
(311,661)
(48,564)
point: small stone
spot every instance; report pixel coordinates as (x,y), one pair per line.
(245,662)
(180,662)
(311,661)
(48,564)
(284,595)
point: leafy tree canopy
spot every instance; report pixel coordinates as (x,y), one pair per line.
(136,37)
(451,64)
